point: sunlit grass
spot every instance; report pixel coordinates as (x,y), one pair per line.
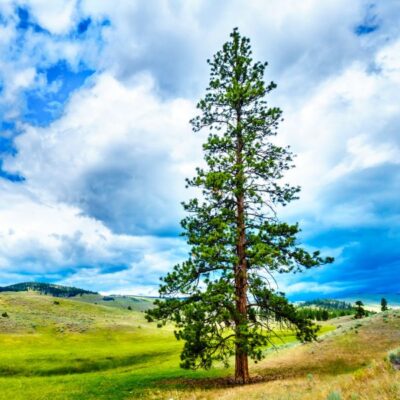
(352,361)
(75,350)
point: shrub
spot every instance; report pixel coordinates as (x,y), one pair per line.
(56,302)
(394,358)
(334,396)
(5,315)
(130,308)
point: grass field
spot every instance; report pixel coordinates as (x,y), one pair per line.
(79,350)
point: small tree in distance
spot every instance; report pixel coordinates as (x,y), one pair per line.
(384,304)
(360,311)
(221,299)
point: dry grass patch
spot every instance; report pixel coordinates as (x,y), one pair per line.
(351,364)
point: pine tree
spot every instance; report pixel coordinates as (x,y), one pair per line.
(360,311)
(325,315)
(384,304)
(221,299)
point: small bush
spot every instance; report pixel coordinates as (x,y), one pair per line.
(394,358)
(130,308)
(334,396)
(56,302)
(5,315)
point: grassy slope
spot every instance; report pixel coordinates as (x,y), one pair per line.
(351,362)
(135,302)
(79,350)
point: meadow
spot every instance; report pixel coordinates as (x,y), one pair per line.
(76,349)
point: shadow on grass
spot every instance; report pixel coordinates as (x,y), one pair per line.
(326,366)
(336,367)
(81,365)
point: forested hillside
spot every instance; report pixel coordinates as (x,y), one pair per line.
(46,288)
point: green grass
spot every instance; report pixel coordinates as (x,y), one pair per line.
(100,364)
(79,350)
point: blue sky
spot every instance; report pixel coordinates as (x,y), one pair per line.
(95,141)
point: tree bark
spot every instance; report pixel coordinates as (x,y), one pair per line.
(241,359)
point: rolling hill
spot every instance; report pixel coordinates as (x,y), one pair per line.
(72,349)
(46,288)
(135,303)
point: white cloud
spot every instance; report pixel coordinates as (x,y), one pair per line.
(117,157)
(293,36)
(361,155)
(348,124)
(27,51)
(41,239)
(57,16)
(119,153)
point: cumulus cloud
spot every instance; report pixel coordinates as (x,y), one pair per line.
(44,240)
(294,36)
(118,153)
(35,35)
(56,16)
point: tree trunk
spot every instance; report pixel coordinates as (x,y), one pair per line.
(241,367)
(241,361)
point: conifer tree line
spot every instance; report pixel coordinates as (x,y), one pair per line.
(222,299)
(323,314)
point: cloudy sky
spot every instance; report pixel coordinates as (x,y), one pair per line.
(95,142)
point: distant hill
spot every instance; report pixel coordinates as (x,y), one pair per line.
(134,303)
(330,304)
(373,301)
(46,288)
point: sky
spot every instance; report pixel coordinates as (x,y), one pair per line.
(95,142)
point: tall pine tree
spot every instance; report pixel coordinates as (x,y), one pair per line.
(221,299)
